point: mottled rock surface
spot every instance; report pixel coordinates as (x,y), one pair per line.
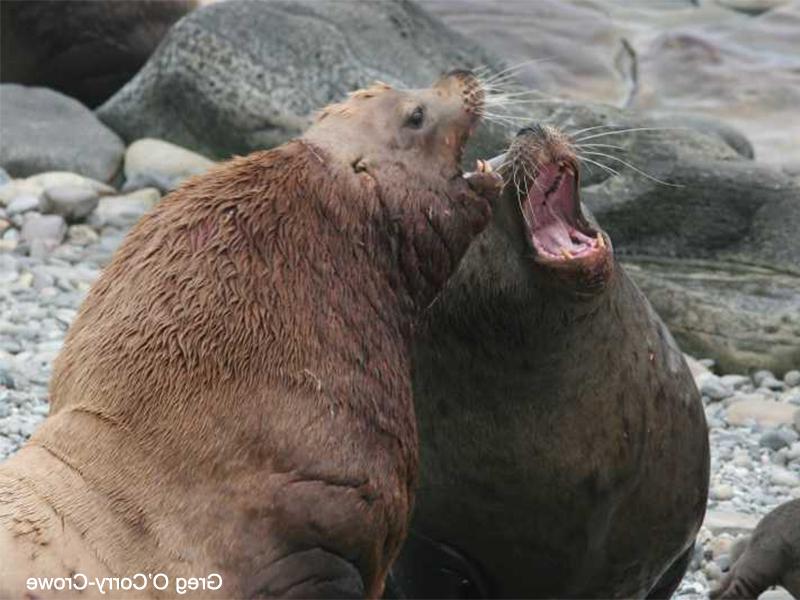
(233,77)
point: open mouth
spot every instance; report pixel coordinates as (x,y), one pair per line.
(556,227)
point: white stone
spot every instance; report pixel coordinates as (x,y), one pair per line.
(725,521)
(153,162)
(766,413)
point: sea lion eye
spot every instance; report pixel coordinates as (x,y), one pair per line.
(416,118)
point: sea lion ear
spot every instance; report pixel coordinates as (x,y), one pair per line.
(360,165)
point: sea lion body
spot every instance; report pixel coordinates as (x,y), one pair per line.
(563,442)
(771,557)
(234,396)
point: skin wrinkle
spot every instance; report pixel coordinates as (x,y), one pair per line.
(226,391)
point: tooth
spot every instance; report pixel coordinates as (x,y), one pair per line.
(600,241)
(566,254)
(487,166)
(480,166)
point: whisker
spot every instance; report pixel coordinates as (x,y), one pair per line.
(601,146)
(630,166)
(597,135)
(585,129)
(601,165)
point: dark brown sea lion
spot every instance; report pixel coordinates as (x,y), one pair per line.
(772,557)
(563,443)
(234,396)
(83,48)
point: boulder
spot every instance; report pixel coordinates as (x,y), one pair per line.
(43,130)
(85,49)
(744,316)
(233,77)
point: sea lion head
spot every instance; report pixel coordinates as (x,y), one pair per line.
(542,178)
(423,129)
(402,149)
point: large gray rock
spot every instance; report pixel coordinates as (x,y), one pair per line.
(744,316)
(43,130)
(233,77)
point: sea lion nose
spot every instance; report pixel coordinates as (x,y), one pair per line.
(535,129)
(464,83)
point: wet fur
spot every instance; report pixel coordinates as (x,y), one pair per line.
(234,395)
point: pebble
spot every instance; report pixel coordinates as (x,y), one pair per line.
(722,521)
(771,383)
(760,376)
(42,233)
(155,163)
(783,477)
(723,561)
(124,211)
(73,202)
(764,413)
(82,235)
(777,594)
(776,439)
(736,382)
(712,387)
(21,204)
(722,492)
(712,571)
(792,378)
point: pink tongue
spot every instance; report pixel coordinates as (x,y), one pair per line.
(554,236)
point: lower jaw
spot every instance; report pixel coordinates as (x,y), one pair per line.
(583,276)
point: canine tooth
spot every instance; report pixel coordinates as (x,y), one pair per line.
(480,166)
(600,241)
(566,254)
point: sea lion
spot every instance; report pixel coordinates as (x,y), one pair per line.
(563,443)
(83,48)
(771,557)
(234,396)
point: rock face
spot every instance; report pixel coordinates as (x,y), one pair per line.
(83,48)
(742,315)
(233,77)
(43,130)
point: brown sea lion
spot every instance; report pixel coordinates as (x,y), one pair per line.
(772,557)
(83,48)
(234,396)
(563,443)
